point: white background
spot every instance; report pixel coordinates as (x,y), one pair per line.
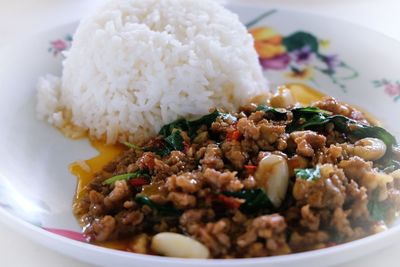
(19,18)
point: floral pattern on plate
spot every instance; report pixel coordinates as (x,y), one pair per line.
(60,45)
(67,233)
(391,88)
(300,54)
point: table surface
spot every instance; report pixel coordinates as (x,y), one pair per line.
(18,18)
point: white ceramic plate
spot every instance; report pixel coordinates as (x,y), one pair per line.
(354,64)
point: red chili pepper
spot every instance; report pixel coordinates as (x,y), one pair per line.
(230,202)
(138,182)
(250,169)
(234,135)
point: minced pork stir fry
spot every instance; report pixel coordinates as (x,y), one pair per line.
(255,183)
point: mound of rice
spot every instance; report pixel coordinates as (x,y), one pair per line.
(135,65)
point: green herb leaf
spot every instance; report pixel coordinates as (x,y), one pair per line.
(255,200)
(162,210)
(130,145)
(299,40)
(273,113)
(175,141)
(172,142)
(172,136)
(307,117)
(308,174)
(127,176)
(311,118)
(374,131)
(190,126)
(167,129)
(206,120)
(377,209)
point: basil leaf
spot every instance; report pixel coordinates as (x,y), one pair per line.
(126,176)
(374,131)
(273,113)
(190,126)
(167,129)
(307,117)
(377,209)
(255,200)
(312,118)
(175,141)
(130,145)
(206,120)
(162,210)
(308,174)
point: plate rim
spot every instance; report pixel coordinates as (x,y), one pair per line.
(38,233)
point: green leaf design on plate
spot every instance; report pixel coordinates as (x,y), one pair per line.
(299,40)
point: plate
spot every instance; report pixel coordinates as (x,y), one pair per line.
(349,62)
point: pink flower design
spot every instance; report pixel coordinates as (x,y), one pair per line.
(67,233)
(60,45)
(392,89)
(277,63)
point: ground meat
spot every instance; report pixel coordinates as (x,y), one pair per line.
(96,203)
(341,223)
(192,217)
(308,142)
(332,105)
(133,218)
(117,195)
(309,240)
(271,136)
(358,198)
(270,230)
(234,154)
(362,172)
(101,229)
(212,157)
(327,192)
(204,187)
(248,129)
(188,182)
(215,235)
(333,154)
(309,219)
(222,180)
(182,200)
(177,161)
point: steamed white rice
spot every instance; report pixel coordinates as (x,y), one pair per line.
(136,65)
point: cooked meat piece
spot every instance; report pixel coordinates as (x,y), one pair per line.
(222,180)
(233,153)
(188,182)
(329,191)
(212,158)
(270,230)
(117,195)
(334,106)
(308,142)
(101,229)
